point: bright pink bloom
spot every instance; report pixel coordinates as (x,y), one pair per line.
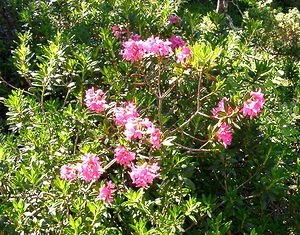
(123,115)
(94,100)
(144,174)
(133,50)
(155,137)
(106,191)
(183,55)
(174,19)
(116,30)
(90,168)
(132,129)
(221,108)
(136,37)
(253,106)
(123,156)
(177,42)
(156,46)
(224,134)
(68,172)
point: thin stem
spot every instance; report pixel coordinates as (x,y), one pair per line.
(199,91)
(13,87)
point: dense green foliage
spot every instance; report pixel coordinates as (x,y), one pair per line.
(53,51)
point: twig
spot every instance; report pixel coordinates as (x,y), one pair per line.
(15,88)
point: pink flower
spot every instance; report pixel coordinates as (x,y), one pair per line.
(174,19)
(155,137)
(221,108)
(143,175)
(156,46)
(133,50)
(94,100)
(123,115)
(123,156)
(183,55)
(68,172)
(132,129)
(106,191)
(177,42)
(90,168)
(116,31)
(136,37)
(224,134)
(253,105)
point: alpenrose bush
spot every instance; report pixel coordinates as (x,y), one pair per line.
(140,129)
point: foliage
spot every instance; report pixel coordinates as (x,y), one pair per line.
(63,48)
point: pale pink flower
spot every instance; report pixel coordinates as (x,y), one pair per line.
(106,191)
(224,134)
(132,129)
(146,123)
(253,106)
(90,168)
(177,42)
(144,175)
(183,55)
(155,137)
(123,115)
(94,100)
(156,46)
(123,156)
(133,50)
(68,172)
(221,108)
(174,19)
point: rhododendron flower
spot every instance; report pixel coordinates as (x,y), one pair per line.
(123,156)
(106,191)
(116,30)
(224,134)
(94,100)
(174,19)
(221,108)
(156,46)
(136,37)
(143,175)
(183,55)
(146,123)
(90,168)
(132,130)
(177,42)
(68,172)
(155,137)
(123,115)
(253,105)
(133,50)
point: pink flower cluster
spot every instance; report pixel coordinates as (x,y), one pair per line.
(177,42)
(253,106)
(144,174)
(106,192)
(136,50)
(183,55)
(174,19)
(123,156)
(89,169)
(136,127)
(224,134)
(94,100)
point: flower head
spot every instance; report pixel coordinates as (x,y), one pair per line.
(253,106)
(90,168)
(224,134)
(123,115)
(94,100)
(174,19)
(133,50)
(183,55)
(155,137)
(106,191)
(177,42)
(123,156)
(144,175)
